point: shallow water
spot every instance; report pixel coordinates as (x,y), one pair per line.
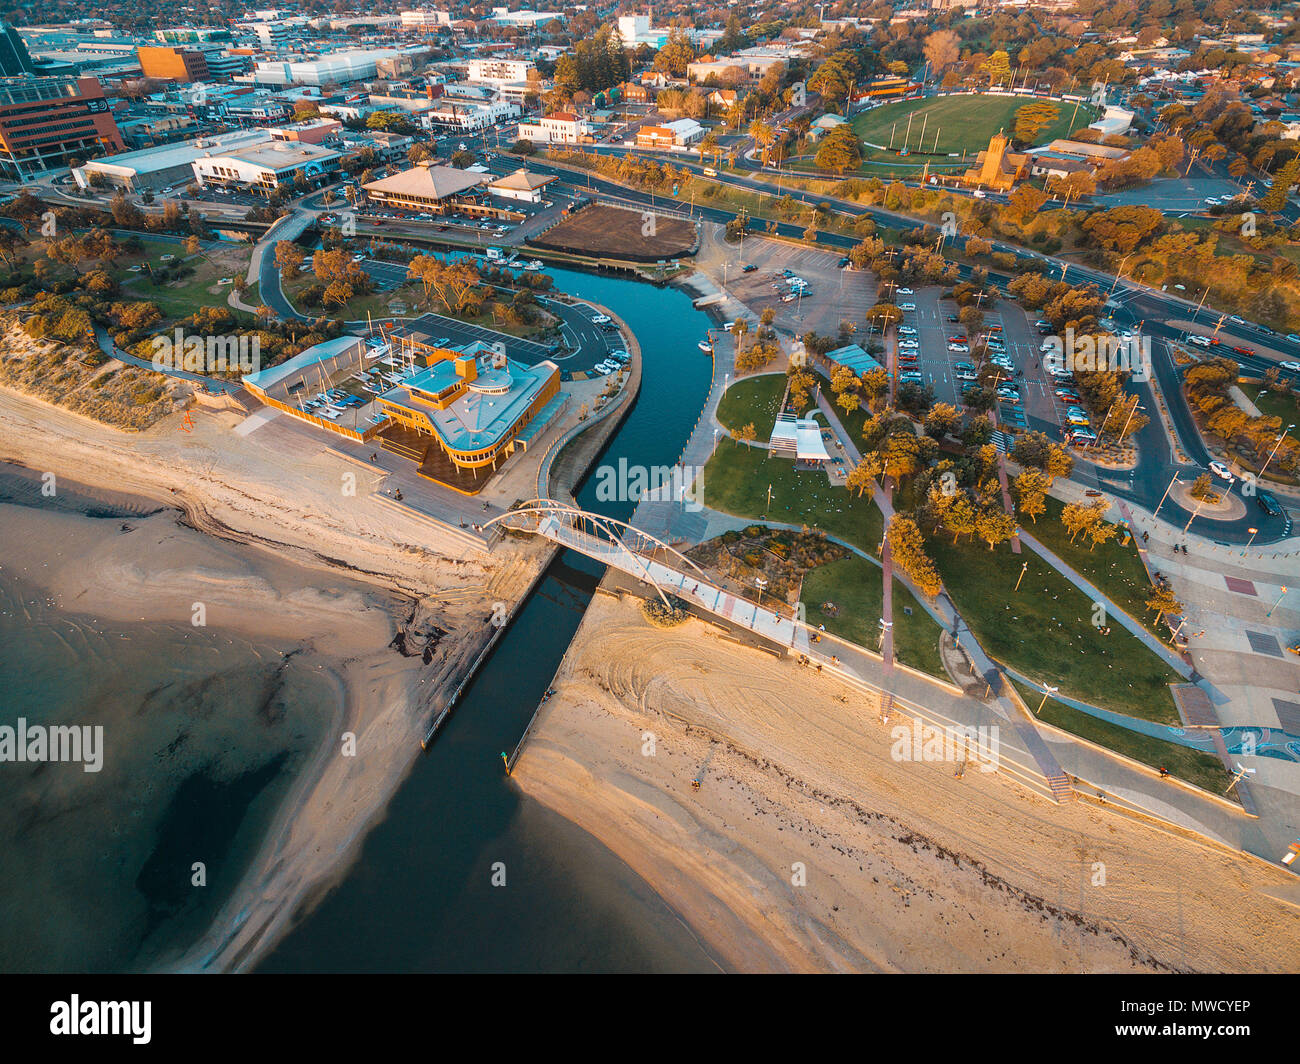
(203,732)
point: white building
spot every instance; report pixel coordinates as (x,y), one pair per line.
(451,113)
(266,167)
(353,64)
(562,127)
(271,35)
(499,71)
(425,20)
(634,30)
(524,18)
(167,164)
(521,185)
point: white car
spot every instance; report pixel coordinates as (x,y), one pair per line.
(1294,367)
(905,292)
(906,330)
(1221,471)
(960,349)
(909,345)
(906,306)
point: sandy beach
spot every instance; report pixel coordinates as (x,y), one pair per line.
(370,574)
(808,848)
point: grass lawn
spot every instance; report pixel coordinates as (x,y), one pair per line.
(1275,404)
(1195,767)
(196,290)
(1116,570)
(752,400)
(1045,630)
(737,477)
(962,123)
(854,585)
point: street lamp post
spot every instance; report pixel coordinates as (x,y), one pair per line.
(1280,438)
(1277,603)
(1239,775)
(1023,569)
(1199,504)
(1048,690)
(1253,533)
(1165,495)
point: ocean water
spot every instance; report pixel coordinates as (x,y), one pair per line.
(420,897)
(209,736)
(203,732)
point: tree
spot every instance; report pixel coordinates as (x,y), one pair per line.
(959,517)
(839,150)
(1102,532)
(907,548)
(676,54)
(998,67)
(994,525)
(942,49)
(1025,202)
(1163,601)
(941,420)
(337,292)
(746,434)
(1203,488)
(862,477)
(763,135)
(287,259)
(1033,118)
(1275,198)
(1078,517)
(1030,489)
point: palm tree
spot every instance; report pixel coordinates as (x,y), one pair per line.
(763,135)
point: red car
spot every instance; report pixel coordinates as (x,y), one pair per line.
(956,339)
(1244,350)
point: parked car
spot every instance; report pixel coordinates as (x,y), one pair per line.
(906,306)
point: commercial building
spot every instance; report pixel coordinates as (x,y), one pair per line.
(461,411)
(743,64)
(521,185)
(163,166)
(468,115)
(266,167)
(562,127)
(340,68)
(46,123)
(524,17)
(499,71)
(679,133)
(173,63)
(271,35)
(432,189)
(425,20)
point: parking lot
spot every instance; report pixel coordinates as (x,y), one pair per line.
(833,294)
(948,372)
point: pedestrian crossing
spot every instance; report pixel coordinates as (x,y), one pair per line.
(1002,441)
